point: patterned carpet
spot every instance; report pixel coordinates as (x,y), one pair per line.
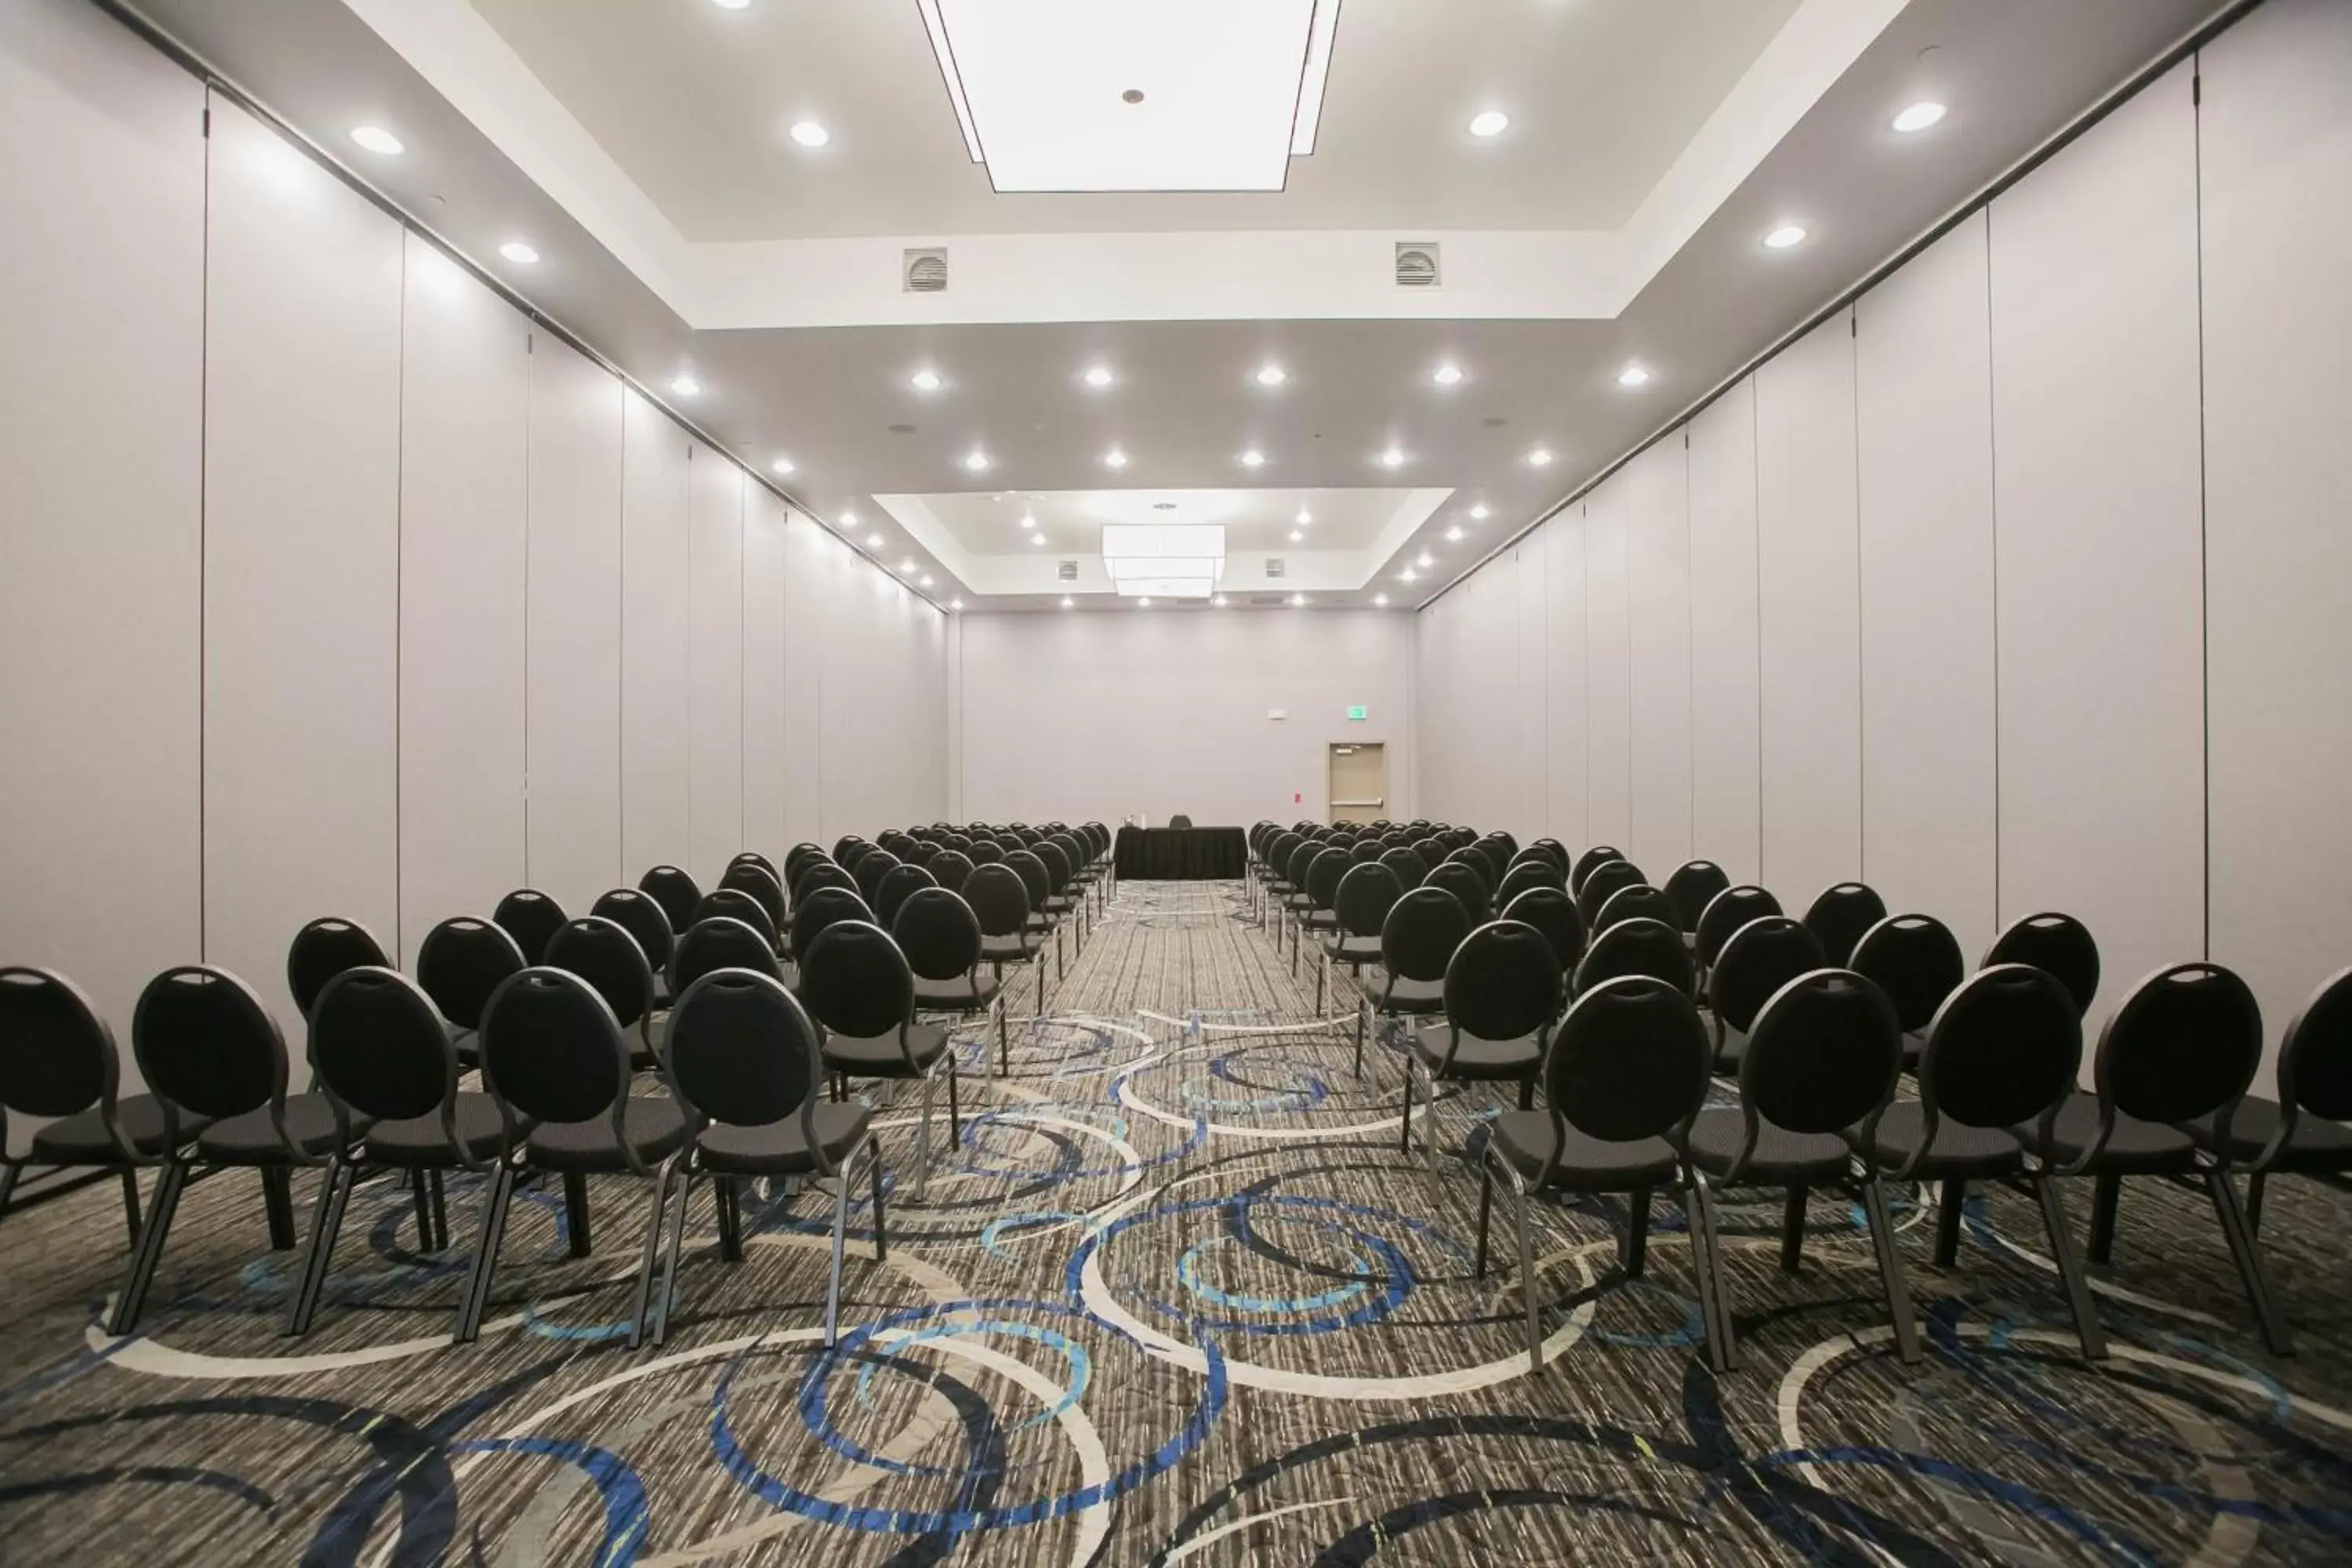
(1177,1298)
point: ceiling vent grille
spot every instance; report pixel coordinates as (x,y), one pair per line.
(1068,571)
(1267,601)
(1417,264)
(1275,566)
(925,271)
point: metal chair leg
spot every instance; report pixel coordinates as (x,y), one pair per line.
(728,1199)
(1485,1209)
(129,1196)
(2069,1269)
(1792,1229)
(1527,1287)
(10,1171)
(652,1249)
(873,1176)
(1322,979)
(1707,1267)
(326,1223)
(2105,1194)
(421,1200)
(278,1203)
(955,1112)
(1947,1222)
(1890,1272)
(1362,1007)
(1404,1131)
(486,1254)
(2240,1237)
(923,1145)
(575,1213)
(1429,1134)
(159,1210)
(832,1283)
(681,1200)
(440,1210)
(2254,1185)
(1631,1257)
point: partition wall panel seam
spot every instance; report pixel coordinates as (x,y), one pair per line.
(2204,547)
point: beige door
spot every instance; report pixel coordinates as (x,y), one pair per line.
(1359,781)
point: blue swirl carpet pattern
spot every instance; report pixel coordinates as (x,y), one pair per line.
(1176,1298)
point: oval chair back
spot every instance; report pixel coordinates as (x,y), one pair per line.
(856,982)
(2057,944)
(205,1044)
(720,942)
(799,858)
(1604,883)
(1323,876)
(462,960)
(1841,914)
(1639,902)
(986,852)
(1058,868)
(999,900)
(57,1055)
(1761,957)
(1363,898)
(1036,880)
(675,891)
(531,916)
(2315,1066)
(902,883)
(949,868)
(1825,1056)
(1538,872)
(1639,947)
(1466,883)
(1411,870)
(1693,887)
(379,1050)
(1502,984)
(734,904)
(1726,913)
(871,867)
(1470,854)
(1915,961)
(2183,1045)
(324,949)
(825,907)
(760,881)
(1629,1061)
(601,952)
(2003,1048)
(552,1052)
(1553,912)
(1422,929)
(741,1051)
(1591,860)
(939,936)
(637,912)
(819,875)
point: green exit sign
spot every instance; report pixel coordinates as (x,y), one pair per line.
(1358,713)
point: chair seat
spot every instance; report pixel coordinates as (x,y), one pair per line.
(881,1056)
(81,1140)
(653,1124)
(252,1139)
(420,1141)
(1320,919)
(1961,1152)
(1781,1157)
(2319,1145)
(2136,1148)
(1476,1060)
(1403,996)
(780,1149)
(1354,951)
(963,993)
(1527,1140)
(1008,949)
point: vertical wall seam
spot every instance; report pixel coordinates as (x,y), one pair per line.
(530,391)
(400,617)
(621,664)
(1755,523)
(1861,649)
(1690,652)
(2204,524)
(204,547)
(1992,443)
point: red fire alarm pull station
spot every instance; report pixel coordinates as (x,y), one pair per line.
(1294,797)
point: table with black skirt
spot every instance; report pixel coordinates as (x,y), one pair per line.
(1183,854)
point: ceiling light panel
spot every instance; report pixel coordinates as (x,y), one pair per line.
(1043,90)
(1172,560)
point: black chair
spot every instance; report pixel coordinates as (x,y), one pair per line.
(1591,860)
(1601,884)
(1842,915)
(1044,922)
(555,1061)
(1761,958)
(2004,1048)
(2300,1133)
(871,867)
(1639,902)
(745,1059)
(758,879)
(1534,872)
(675,891)
(2181,1049)
(383,1061)
(1825,1056)
(209,1049)
(1361,905)
(819,875)
(1466,883)
(529,916)
(1624,1076)
(1411,870)
(799,858)
(1059,906)
(324,949)
(734,904)
(1553,850)
(600,951)
(901,883)
(949,868)
(1917,961)
(1650,948)
(1693,887)
(847,848)
(1417,941)
(1366,851)
(944,944)
(1275,880)
(986,852)
(2056,945)
(1000,901)
(1478,862)
(644,921)
(1502,991)
(721,942)
(856,982)
(1297,900)
(1321,916)
(459,964)
(823,907)
(58,1059)
(1726,913)
(1552,910)
(754,858)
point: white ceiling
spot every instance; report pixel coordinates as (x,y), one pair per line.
(989,522)
(694,102)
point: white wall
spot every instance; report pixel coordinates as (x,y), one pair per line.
(1102,714)
(2008,588)
(328,584)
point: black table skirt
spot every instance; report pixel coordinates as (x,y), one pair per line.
(1183,854)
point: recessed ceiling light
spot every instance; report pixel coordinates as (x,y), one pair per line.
(927,579)
(1407,575)
(1100,375)
(1453,536)
(782,465)
(1490,123)
(1424,560)
(1305,517)
(1296,536)
(1297,601)
(1028,520)
(732,5)
(1391,458)
(1038,538)
(1782,237)
(873,541)
(1114,459)
(976,461)
(809,133)
(1540,457)
(925,380)
(1219,601)
(1271,375)
(1480,512)
(1381,600)
(687,386)
(1633,375)
(1144,603)
(520,254)
(1919,117)
(1252,458)
(955,604)
(908,564)
(1067,601)
(1447,375)
(376,138)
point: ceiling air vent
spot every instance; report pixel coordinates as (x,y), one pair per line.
(1276,565)
(1267,601)
(1068,571)
(1416,264)
(925,271)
